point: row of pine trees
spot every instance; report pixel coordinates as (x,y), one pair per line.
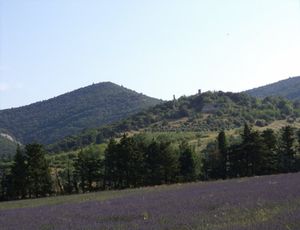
(255,153)
(128,163)
(133,162)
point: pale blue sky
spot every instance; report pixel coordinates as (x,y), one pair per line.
(157,47)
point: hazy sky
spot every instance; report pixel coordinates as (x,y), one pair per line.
(157,47)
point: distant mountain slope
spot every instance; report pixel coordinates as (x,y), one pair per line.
(289,88)
(68,114)
(210,111)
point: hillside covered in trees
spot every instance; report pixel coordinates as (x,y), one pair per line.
(289,88)
(209,111)
(70,113)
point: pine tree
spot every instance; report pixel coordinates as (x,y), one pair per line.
(169,162)
(111,165)
(247,151)
(271,159)
(186,162)
(223,148)
(6,191)
(135,163)
(38,172)
(19,175)
(153,164)
(88,166)
(287,149)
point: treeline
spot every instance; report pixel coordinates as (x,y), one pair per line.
(257,153)
(29,175)
(129,163)
(136,161)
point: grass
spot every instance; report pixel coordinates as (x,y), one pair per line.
(81,198)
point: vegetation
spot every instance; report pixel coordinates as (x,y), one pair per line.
(210,111)
(28,176)
(289,88)
(143,160)
(256,153)
(68,114)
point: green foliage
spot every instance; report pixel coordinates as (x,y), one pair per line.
(68,114)
(88,169)
(133,163)
(143,160)
(271,160)
(287,149)
(38,174)
(19,175)
(186,162)
(258,153)
(210,111)
(289,88)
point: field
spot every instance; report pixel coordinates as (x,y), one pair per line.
(269,202)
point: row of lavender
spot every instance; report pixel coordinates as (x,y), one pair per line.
(270,202)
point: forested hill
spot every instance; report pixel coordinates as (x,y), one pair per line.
(70,113)
(210,111)
(289,88)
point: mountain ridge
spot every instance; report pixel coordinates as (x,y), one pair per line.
(48,120)
(288,88)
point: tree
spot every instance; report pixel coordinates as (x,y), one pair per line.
(111,164)
(270,160)
(252,152)
(5,184)
(38,172)
(88,167)
(223,150)
(287,149)
(247,150)
(153,164)
(169,162)
(186,162)
(136,163)
(19,175)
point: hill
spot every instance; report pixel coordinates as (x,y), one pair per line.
(210,111)
(92,106)
(289,88)
(268,202)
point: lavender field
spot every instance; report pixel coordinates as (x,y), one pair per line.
(270,202)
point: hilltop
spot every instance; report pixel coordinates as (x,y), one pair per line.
(288,88)
(93,106)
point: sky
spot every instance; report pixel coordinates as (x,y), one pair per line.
(158,47)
